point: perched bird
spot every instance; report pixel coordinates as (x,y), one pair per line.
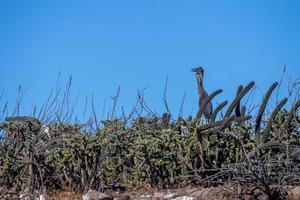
(22,119)
(36,125)
(203,96)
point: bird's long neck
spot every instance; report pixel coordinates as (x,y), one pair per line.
(200,87)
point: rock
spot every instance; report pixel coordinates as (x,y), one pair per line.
(210,193)
(169,196)
(197,192)
(158,195)
(191,190)
(184,198)
(294,194)
(95,195)
(122,197)
(35,195)
(144,197)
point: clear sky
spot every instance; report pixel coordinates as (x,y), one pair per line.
(135,44)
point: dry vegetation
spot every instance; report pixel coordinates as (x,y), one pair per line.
(257,154)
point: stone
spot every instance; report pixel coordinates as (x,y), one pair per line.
(184,198)
(197,193)
(191,190)
(158,195)
(169,196)
(294,194)
(95,195)
(122,197)
(210,193)
(144,197)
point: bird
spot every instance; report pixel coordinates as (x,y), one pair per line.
(36,125)
(22,119)
(203,95)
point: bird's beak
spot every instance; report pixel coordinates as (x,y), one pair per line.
(194,70)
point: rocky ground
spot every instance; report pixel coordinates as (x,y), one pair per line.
(213,193)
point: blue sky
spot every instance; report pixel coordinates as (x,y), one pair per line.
(135,44)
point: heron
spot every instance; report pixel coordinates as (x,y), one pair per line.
(203,96)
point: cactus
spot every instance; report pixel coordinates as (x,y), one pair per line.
(272,117)
(237,108)
(262,109)
(238,98)
(217,110)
